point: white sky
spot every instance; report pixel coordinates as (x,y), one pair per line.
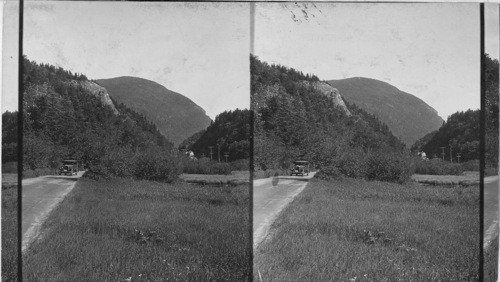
(355,21)
(199,50)
(428,50)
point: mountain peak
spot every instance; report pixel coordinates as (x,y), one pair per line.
(176,116)
(407,116)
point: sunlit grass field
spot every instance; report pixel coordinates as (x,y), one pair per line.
(9,232)
(355,230)
(119,229)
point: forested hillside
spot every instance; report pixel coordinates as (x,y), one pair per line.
(230,132)
(461,131)
(65,116)
(293,121)
(491,111)
(408,117)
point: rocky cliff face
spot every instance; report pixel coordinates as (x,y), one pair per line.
(98,91)
(330,92)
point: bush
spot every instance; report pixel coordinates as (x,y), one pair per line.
(220,168)
(30,173)
(352,164)
(119,162)
(329,173)
(393,167)
(243,164)
(157,167)
(438,167)
(10,167)
(472,165)
(390,167)
(206,166)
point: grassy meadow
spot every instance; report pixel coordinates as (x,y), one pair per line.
(121,229)
(9,230)
(357,230)
(491,262)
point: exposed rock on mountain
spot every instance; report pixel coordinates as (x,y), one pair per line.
(176,116)
(98,91)
(330,92)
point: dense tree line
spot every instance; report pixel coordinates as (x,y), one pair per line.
(9,137)
(229,133)
(491,111)
(294,121)
(461,132)
(64,120)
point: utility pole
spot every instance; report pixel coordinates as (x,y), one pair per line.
(458,156)
(442,153)
(226,155)
(210,147)
(451,158)
(218,148)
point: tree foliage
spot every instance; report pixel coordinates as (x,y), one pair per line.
(9,136)
(229,133)
(461,132)
(491,111)
(294,121)
(64,120)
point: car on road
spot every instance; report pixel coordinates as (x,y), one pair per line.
(69,167)
(300,167)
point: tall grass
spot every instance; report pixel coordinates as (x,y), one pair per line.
(145,231)
(491,262)
(350,229)
(9,233)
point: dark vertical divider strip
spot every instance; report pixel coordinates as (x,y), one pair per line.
(252,41)
(481,143)
(20,146)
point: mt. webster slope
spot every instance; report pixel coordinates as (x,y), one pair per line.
(408,117)
(176,116)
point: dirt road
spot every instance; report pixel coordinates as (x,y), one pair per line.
(270,196)
(40,196)
(491,209)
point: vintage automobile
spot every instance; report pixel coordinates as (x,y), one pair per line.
(300,167)
(69,167)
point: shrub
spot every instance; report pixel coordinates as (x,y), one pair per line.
(31,173)
(472,165)
(437,167)
(391,167)
(351,164)
(220,168)
(10,167)
(243,164)
(329,173)
(158,167)
(206,166)
(119,162)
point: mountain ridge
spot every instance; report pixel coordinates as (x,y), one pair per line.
(176,116)
(408,116)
